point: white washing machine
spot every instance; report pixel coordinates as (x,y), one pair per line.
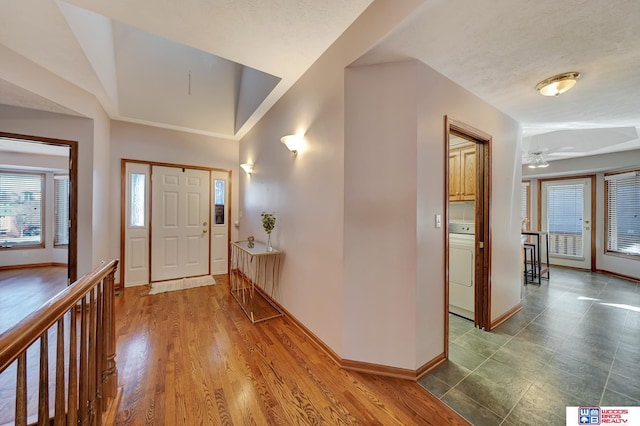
(462,237)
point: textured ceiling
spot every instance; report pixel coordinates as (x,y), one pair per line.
(500,49)
(216,66)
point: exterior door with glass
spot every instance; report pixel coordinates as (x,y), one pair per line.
(565,208)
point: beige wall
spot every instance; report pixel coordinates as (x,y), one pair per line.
(440,97)
(101,233)
(394,188)
(380,217)
(306,193)
(139,142)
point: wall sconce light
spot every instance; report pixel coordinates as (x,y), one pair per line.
(293,143)
(247,167)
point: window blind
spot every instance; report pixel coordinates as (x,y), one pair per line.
(623,212)
(526,205)
(20,209)
(61,210)
(564,210)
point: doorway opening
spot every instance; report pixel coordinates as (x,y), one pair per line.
(64,185)
(566,208)
(467,219)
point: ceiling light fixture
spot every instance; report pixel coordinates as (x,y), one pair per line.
(554,86)
(247,167)
(293,143)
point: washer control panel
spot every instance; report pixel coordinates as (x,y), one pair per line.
(462,228)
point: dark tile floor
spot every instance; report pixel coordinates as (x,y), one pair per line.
(576,341)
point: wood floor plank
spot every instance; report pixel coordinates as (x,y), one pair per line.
(193,357)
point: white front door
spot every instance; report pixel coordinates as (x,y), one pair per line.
(179,223)
(566,216)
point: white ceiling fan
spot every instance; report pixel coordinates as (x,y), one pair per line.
(537,157)
(536,160)
(563,144)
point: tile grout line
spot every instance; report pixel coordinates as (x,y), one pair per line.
(477,402)
(604,389)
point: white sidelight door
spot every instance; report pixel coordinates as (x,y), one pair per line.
(220,223)
(180,223)
(136,229)
(566,216)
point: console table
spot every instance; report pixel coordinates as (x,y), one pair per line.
(254,279)
(538,270)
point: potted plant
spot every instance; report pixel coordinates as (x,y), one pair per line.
(268,223)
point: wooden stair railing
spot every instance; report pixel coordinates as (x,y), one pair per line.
(91,374)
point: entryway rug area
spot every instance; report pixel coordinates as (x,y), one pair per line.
(181,284)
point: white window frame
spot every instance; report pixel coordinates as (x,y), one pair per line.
(525,198)
(5,243)
(631,177)
(61,218)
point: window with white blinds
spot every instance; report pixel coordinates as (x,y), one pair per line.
(21,196)
(623,212)
(525,214)
(61,210)
(565,205)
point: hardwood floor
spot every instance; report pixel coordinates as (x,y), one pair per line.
(24,290)
(193,357)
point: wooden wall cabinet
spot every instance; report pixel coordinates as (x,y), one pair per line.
(462,173)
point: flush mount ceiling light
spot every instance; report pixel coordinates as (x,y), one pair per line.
(293,143)
(247,167)
(554,86)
